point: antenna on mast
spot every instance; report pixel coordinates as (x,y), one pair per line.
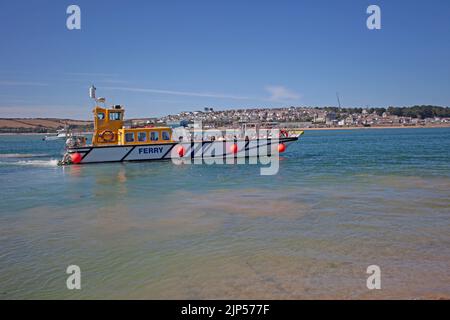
(338,100)
(92,90)
(92,95)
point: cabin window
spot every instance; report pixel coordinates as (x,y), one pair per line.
(154,136)
(142,136)
(129,137)
(100,116)
(165,135)
(115,116)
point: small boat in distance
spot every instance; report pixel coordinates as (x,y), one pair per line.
(60,134)
(112,141)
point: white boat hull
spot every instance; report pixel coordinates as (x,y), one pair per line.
(192,150)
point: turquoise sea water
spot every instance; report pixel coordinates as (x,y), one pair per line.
(342,200)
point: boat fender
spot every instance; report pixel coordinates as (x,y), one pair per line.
(75,157)
(234,148)
(181,151)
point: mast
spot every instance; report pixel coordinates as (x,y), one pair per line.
(338,100)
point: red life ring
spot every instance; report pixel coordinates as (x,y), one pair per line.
(284,134)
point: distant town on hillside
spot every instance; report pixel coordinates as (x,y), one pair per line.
(288,117)
(308,117)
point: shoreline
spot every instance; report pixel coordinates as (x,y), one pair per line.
(360,128)
(33,133)
(302,129)
(377,127)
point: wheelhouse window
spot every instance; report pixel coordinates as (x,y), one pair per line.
(154,136)
(129,137)
(115,116)
(100,116)
(142,136)
(165,135)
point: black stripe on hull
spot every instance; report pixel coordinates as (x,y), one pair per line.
(84,155)
(123,158)
(168,151)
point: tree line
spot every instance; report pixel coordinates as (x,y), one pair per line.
(421,112)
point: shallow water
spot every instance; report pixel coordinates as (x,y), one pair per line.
(342,200)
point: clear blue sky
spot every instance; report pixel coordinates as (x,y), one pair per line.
(161,57)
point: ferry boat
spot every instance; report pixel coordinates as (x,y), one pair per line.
(112,141)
